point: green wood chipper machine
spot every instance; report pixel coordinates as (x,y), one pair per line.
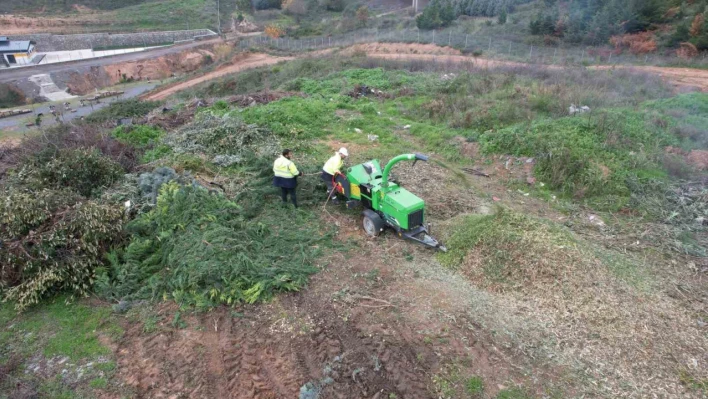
(385,203)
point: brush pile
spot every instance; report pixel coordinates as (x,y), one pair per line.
(213,136)
(259,98)
(53,230)
(201,249)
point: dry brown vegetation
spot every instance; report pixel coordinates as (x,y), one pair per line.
(637,43)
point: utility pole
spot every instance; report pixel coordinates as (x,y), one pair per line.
(218,16)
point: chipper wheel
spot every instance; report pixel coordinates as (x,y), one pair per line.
(373,224)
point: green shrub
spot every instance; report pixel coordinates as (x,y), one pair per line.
(51,243)
(10,97)
(293,118)
(158,152)
(585,157)
(198,249)
(84,170)
(122,109)
(138,135)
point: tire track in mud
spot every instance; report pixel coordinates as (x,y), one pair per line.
(243,359)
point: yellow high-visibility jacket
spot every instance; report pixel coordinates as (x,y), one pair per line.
(334,164)
(285,168)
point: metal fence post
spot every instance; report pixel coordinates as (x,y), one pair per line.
(554,55)
(433,37)
(509,47)
(466,40)
(418,39)
(531,52)
(449,38)
(490,45)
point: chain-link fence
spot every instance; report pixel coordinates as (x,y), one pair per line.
(477,45)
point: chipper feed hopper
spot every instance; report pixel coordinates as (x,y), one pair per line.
(385,203)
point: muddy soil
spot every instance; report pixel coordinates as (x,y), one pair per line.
(367,327)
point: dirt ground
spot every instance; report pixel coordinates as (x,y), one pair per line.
(20,25)
(382,323)
(239,63)
(679,77)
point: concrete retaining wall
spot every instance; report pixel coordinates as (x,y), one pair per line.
(50,42)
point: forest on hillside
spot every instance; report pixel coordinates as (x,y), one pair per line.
(650,23)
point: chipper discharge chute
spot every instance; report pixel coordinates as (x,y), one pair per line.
(385,203)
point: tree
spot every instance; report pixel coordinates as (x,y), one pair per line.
(430,18)
(502,17)
(334,5)
(244,6)
(447,14)
(362,15)
(680,35)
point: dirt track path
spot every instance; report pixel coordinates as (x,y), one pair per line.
(248,62)
(680,77)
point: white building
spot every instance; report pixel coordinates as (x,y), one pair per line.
(16,52)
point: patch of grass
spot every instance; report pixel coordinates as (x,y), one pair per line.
(107,367)
(508,249)
(450,382)
(57,389)
(686,116)
(122,109)
(294,118)
(76,330)
(586,157)
(513,393)
(138,135)
(98,383)
(57,328)
(693,383)
(474,387)
(158,152)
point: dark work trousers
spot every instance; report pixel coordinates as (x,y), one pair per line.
(327,178)
(287,186)
(284,191)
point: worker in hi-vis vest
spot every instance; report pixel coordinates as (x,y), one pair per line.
(286,174)
(332,167)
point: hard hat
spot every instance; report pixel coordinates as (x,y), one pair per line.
(344,151)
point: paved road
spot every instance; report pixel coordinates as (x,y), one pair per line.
(10,75)
(17,123)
